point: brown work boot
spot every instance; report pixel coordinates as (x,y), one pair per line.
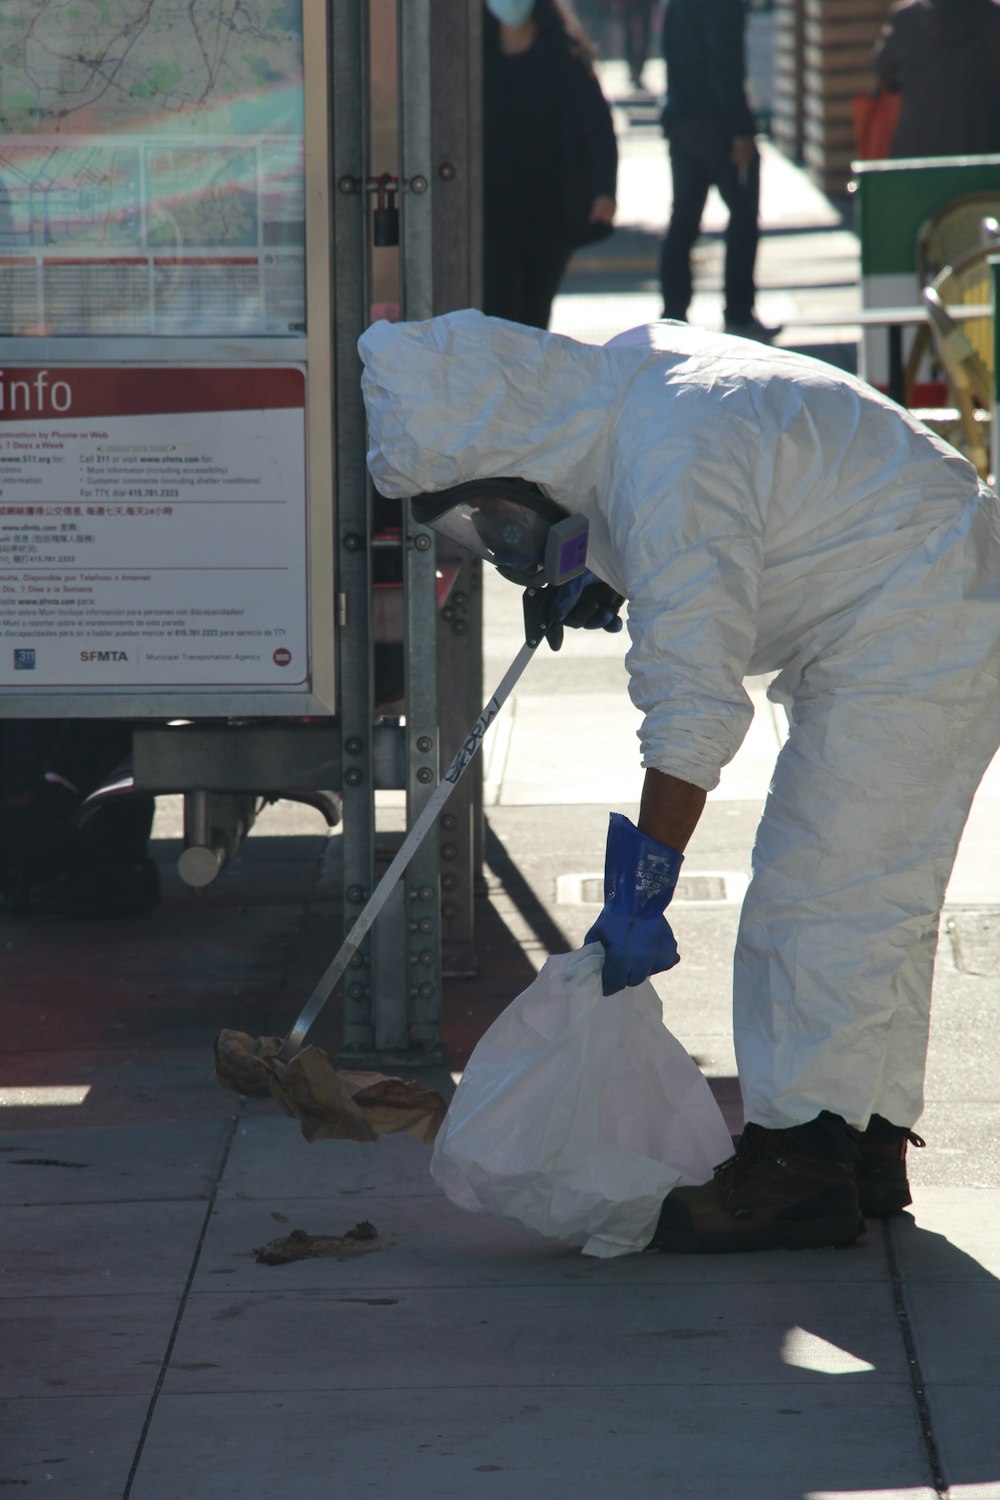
(770,1195)
(883,1186)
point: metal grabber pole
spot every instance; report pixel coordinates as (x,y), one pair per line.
(329,979)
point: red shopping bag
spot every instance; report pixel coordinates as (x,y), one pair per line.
(875,116)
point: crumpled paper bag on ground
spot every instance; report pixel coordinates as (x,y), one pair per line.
(329,1105)
(578,1113)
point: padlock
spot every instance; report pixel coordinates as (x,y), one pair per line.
(386,223)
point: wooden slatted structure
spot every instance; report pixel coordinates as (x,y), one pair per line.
(788,113)
(823,51)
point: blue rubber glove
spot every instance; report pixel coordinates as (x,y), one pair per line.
(585,603)
(594,606)
(640,876)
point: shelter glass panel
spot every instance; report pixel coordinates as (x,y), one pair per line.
(152,168)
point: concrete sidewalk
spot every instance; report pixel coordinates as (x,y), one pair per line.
(148,1355)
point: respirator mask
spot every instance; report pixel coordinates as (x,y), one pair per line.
(529,538)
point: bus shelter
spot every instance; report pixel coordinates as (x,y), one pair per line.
(201,208)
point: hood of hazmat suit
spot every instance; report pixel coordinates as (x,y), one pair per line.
(753,505)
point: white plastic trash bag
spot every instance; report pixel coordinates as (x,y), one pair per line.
(578,1112)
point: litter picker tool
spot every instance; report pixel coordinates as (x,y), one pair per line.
(539,616)
(533,541)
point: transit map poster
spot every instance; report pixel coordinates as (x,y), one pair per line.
(151,167)
(153,527)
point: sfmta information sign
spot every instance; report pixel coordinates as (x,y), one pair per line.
(153,527)
(155,473)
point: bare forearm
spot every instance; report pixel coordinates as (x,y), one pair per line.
(670,809)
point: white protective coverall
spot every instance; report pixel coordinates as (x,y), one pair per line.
(762,513)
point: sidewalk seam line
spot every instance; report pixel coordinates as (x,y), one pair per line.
(917,1381)
(185,1295)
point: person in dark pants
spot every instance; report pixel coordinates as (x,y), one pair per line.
(550,158)
(710,128)
(637,20)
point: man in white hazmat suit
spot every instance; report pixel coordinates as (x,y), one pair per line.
(762,513)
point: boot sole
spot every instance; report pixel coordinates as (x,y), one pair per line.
(808,1234)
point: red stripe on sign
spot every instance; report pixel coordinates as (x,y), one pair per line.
(68,393)
(55,263)
(205,260)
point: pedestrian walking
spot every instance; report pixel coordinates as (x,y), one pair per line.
(709,126)
(550,158)
(638,20)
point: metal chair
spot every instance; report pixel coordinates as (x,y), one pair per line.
(951,252)
(953,232)
(967,282)
(969,376)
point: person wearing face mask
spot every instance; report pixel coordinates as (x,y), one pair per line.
(943,58)
(550,158)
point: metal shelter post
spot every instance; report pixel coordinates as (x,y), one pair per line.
(456,101)
(350,302)
(422,937)
(418,151)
